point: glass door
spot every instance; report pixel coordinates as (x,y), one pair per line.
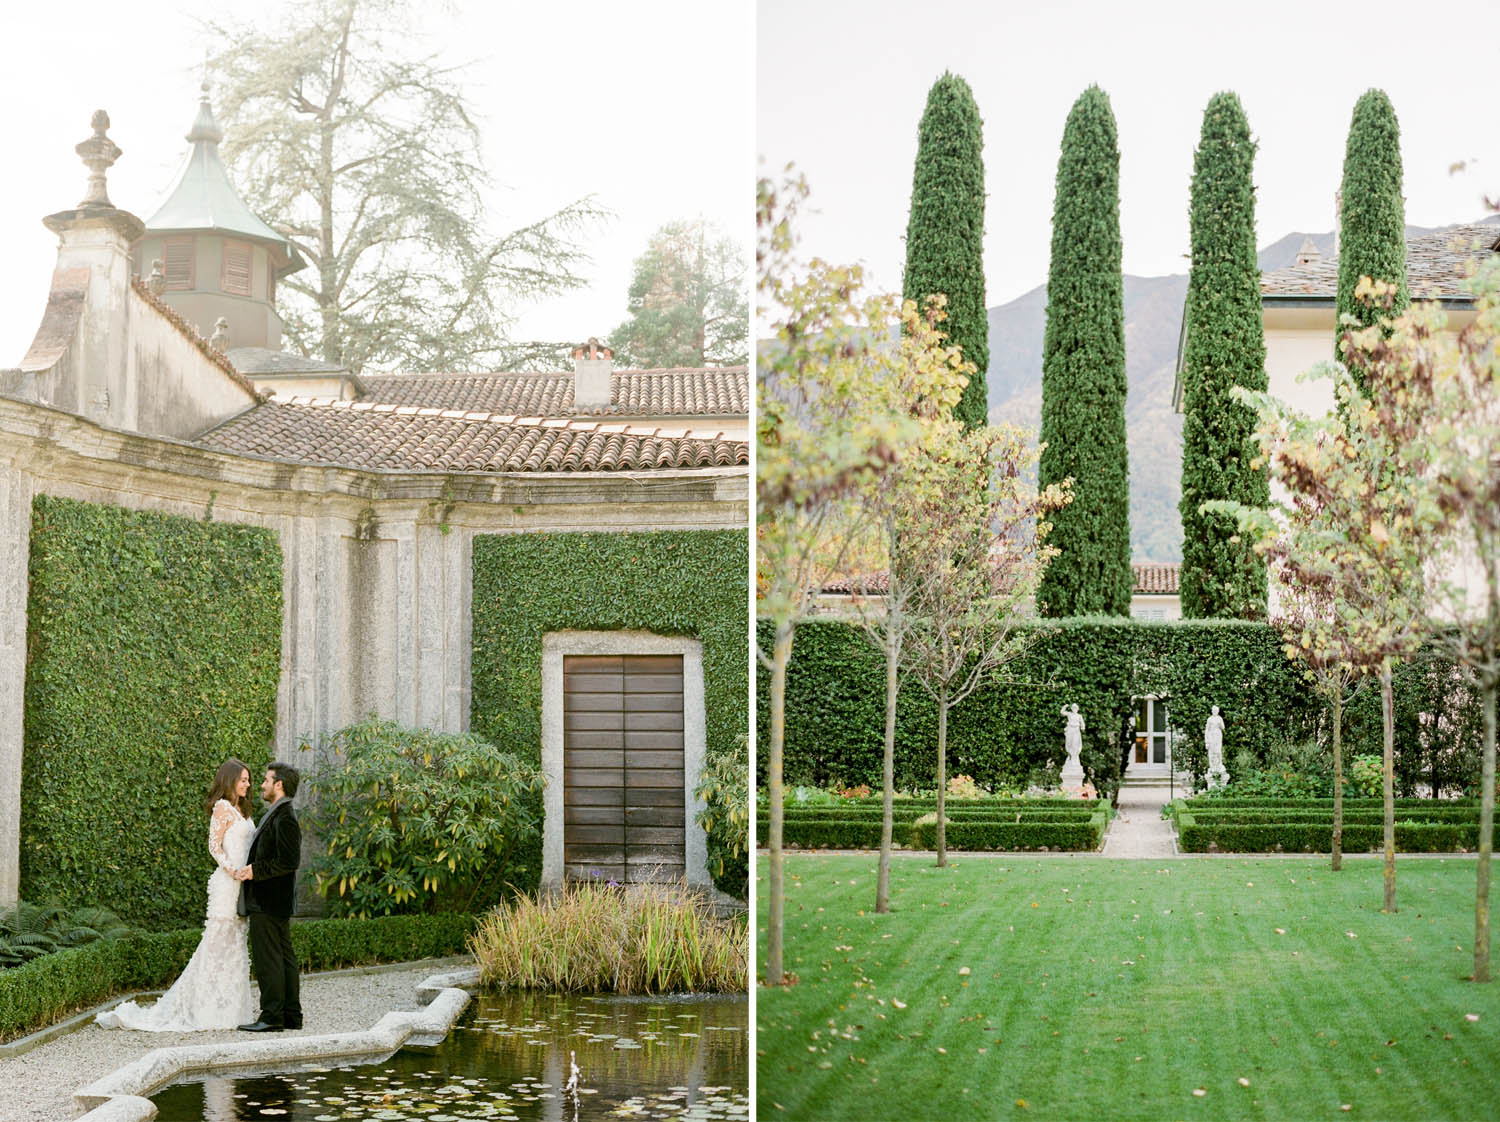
(1150,731)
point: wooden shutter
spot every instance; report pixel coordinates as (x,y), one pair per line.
(234,277)
(624,800)
(177,262)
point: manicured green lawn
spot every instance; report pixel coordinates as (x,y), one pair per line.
(1106,990)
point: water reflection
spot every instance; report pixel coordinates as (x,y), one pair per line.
(508,1058)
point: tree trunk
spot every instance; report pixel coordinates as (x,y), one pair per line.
(888,768)
(1388,781)
(328,300)
(1338,779)
(1487,691)
(782,655)
(942,778)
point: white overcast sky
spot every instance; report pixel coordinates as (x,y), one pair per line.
(648,105)
(841,86)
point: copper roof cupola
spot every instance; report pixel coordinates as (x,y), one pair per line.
(218,259)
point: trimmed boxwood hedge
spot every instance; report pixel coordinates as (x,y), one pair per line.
(835,703)
(153,654)
(49,988)
(676,582)
(1086,835)
(1422,826)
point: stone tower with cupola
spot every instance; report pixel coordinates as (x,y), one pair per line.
(209,256)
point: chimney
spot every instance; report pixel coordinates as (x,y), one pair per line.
(592,366)
(1309,254)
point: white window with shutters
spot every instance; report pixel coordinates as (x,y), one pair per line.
(177,262)
(234,275)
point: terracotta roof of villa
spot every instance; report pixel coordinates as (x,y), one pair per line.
(1153,578)
(1436,266)
(387,437)
(1150,578)
(698,391)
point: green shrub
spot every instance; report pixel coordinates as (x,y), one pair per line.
(419,821)
(1308,837)
(725,818)
(671,582)
(49,988)
(592,938)
(1367,776)
(153,654)
(1287,770)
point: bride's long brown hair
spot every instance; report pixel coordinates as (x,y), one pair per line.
(226,779)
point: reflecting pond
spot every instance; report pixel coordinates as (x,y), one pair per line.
(508,1057)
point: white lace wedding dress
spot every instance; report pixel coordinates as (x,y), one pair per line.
(214,991)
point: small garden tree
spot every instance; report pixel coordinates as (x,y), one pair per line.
(1222,575)
(827,426)
(945,230)
(1445,391)
(1372,218)
(1083,373)
(974,558)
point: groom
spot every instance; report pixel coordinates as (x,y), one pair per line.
(267,897)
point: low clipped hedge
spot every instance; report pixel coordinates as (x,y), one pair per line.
(49,988)
(1422,826)
(981,824)
(1350,803)
(1079,835)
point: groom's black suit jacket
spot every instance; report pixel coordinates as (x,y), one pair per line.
(274,853)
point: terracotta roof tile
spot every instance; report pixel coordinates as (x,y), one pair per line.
(1153,578)
(1436,266)
(702,391)
(387,437)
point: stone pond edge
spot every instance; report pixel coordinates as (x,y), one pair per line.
(120,1096)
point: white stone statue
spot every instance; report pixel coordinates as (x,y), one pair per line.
(1072,770)
(1213,737)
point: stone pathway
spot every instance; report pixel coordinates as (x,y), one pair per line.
(39,1084)
(1138,829)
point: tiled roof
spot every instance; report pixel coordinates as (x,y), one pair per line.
(702,391)
(1153,578)
(1150,579)
(866,584)
(213,354)
(384,437)
(1436,265)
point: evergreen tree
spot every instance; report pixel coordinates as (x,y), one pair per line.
(1083,373)
(945,230)
(1221,575)
(1372,235)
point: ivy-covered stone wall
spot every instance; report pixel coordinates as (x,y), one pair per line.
(677,582)
(154,651)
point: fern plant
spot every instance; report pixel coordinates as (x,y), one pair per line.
(28,931)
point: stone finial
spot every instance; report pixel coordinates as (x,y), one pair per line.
(593,349)
(220,338)
(157,281)
(98,153)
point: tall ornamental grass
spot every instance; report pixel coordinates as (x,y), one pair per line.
(598,938)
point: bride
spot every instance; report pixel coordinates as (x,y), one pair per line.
(214,991)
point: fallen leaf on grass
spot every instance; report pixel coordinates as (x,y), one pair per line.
(898,1003)
(964,971)
(1351,934)
(1471,1016)
(1243,1082)
(1199,1092)
(1281,930)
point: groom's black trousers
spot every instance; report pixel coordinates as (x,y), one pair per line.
(275,968)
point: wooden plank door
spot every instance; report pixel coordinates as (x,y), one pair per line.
(624,798)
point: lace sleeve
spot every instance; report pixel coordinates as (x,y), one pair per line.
(218,826)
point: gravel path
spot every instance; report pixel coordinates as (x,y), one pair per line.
(39,1084)
(1138,829)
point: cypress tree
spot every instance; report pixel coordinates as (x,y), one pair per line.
(1222,577)
(945,230)
(1083,373)
(1372,236)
